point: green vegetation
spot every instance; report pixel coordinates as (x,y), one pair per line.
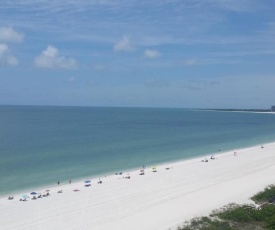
(206,223)
(235,217)
(264,196)
(239,217)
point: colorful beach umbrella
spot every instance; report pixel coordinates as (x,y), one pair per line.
(33,193)
(87,181)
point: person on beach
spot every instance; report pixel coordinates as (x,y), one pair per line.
(58,182)
(235,153)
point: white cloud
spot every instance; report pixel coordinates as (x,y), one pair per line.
(191,61)
(99,67)
(157,83)
(151,53)
(71,79)
(8,34)
(5,56)
(212,61)
(124,45)
(50,58)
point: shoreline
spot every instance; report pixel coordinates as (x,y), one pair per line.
(156,200)
(131,170)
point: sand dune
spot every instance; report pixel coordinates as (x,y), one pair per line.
(156,200)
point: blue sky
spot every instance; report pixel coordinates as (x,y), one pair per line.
(139,53)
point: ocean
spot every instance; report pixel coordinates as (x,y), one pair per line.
(40,145)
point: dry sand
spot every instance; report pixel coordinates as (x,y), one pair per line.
(158,200)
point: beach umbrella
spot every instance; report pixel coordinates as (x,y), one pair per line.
(87,181)
(24,196)
(154,168)
(33,193)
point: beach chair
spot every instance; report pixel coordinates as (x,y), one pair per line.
(10,198)
(142,172)
(127,176)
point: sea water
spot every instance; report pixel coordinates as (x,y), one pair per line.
(40,145)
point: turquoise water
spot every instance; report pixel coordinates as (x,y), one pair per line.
(42,145)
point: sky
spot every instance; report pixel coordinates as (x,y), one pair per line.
(138,53)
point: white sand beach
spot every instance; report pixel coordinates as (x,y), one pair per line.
(157,200)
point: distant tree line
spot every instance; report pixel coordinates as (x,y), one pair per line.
(240,110)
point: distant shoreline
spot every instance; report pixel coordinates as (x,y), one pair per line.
(239,110)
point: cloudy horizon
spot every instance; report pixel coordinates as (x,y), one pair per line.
(171,53)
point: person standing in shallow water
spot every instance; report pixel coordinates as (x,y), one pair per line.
(70,182)
(58,182)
